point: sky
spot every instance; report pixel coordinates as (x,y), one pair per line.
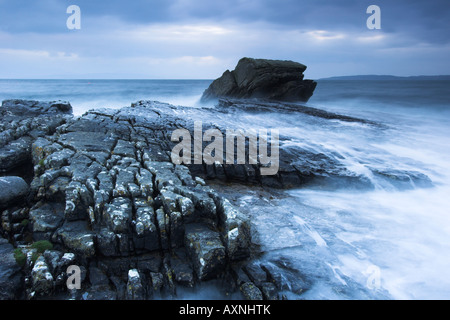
(200,39)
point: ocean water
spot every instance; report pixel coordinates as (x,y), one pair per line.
(385,242)
(91,94)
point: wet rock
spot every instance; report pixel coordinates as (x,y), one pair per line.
(149,262)
(97,277)
(205,250)
(118,215)
(120,287)
(117,266)
(42,279)
(157,282)
(100,293)
(22,121)
(59,159)
(12,190)
(15,154)
(124,149)
(236,230)
(163,223)
(100,286)
(32,107)
(404,179)
(10,272)
(204,206)
(176,229)
(262,78)
(45,219)
(256,274)
(164,174)
(107,243)
(146,231)
(135,290)
(250,291)
(285,275)
(182,270)
(77,237)
(87,143)
(269,291)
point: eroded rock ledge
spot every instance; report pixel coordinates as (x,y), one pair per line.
(107,197)
(104,193)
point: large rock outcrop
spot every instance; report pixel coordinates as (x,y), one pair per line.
(107,197)
(262,78)
(106,192)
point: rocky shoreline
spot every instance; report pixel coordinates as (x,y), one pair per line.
(100,192)
(105,196)
(105,192)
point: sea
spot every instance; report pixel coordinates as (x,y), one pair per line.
(385,242)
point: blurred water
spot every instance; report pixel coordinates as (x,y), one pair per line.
(341,240)
(91,94)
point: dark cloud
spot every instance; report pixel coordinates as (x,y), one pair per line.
(49,16)
(425,20)
(330,36)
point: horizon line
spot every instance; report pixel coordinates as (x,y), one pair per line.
(191,79)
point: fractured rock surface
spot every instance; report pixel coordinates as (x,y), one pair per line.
(106,191)
(106,195)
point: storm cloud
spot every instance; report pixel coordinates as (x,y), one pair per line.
(201,38)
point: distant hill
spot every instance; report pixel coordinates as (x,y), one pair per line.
(388,77)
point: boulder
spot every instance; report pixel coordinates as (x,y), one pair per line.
(263,78)
(15,154)
(12,189)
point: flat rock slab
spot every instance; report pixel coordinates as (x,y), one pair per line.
(46,219)
(88,141)
(33,107)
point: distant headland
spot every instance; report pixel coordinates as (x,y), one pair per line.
(388,77)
